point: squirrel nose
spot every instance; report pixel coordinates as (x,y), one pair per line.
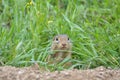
(63,45)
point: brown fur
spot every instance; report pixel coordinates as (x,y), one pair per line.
(61,48)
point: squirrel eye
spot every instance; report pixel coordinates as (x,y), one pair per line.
(68,39)
(56,39)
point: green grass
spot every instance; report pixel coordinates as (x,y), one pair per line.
(28,26)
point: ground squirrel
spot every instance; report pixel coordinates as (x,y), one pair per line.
(61,48)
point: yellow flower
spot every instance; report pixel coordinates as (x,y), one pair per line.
(31,3)
(50,22)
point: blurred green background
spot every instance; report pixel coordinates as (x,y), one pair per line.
(28,26)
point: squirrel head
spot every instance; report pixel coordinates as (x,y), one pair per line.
(61,42)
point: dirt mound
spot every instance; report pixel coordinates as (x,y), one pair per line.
(33,73)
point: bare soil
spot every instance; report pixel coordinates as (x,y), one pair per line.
(34,73)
